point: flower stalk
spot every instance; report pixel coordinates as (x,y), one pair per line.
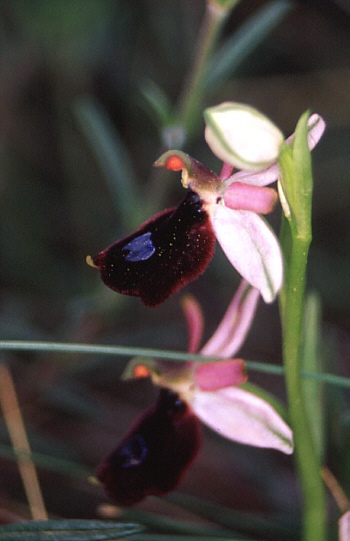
(296,234)
(190,103)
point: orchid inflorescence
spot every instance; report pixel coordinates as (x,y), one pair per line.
(169,251)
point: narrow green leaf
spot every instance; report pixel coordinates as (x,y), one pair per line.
(250,34)
(162,537)
(67,530)
(166,524)
(51,463)
(112,157)
(270,527)
(226,4)
(159,106)
(75,400)
(179,356)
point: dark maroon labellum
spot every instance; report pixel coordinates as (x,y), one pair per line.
(154,456)
(164,254)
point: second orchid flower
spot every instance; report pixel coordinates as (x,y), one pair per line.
(154,455)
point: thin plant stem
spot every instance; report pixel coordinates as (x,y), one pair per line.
(296,183)
(17,432)
(305,452)
(177,356)
(190,102)
(189,106)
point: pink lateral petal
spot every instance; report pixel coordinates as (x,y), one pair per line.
(252,248)
(195,322)
(235,325)
(220,374)
(239,196)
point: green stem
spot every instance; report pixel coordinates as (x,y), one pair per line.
(308,463)
(190,100)
(179,356)
(189,107)
(190,103)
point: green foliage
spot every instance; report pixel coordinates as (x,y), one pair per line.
(69,530)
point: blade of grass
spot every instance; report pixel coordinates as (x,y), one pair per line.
(246,523)
(67,530)
(17,432)
(240,45)
(52,463)
(162,537)
(112,157)
(179,356)
(161,523)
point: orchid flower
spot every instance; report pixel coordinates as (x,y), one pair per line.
(212,389)
(175,246)
(235,202)
(155,454)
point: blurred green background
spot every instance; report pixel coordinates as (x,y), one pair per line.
(78,137)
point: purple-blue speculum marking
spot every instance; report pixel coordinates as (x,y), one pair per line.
(134,452)
(140,248)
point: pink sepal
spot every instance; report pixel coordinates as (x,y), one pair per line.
(235,325)
(251,247)
(241,416)
(195,322)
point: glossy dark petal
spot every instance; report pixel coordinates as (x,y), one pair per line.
(162,256)
(153,457)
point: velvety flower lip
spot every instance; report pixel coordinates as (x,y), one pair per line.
(164,254)
(155,454)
